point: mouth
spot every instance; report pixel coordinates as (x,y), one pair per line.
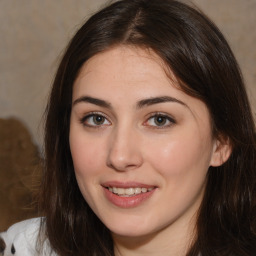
(129,192)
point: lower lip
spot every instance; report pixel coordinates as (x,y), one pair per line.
(127,202)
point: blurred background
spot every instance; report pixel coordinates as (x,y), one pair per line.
(34,34)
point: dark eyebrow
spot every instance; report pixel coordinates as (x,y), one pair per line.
(95,101)
(157,100)
(140,104)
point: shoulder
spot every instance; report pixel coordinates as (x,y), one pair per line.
(21,239)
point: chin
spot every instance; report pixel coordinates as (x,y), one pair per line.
(131,229)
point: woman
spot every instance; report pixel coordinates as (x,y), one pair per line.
(149,143)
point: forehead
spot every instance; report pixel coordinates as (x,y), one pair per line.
(125,67)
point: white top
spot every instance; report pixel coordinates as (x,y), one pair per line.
(21,240)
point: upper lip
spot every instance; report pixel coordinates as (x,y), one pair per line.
(129,184)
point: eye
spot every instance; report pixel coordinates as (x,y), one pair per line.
(160,120)
(95,120)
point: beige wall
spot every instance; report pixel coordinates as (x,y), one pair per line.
(35,32)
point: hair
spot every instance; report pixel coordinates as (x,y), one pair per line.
(199,57)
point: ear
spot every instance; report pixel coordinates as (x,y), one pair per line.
(222,150)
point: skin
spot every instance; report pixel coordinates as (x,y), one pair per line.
(129,145)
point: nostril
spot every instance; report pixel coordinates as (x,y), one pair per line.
(2,246)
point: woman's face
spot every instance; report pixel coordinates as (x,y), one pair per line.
(141,147)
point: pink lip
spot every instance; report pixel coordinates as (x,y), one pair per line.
(127,202)
(129,184)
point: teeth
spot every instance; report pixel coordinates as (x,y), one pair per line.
(143,190)
(129,191)
(137,190)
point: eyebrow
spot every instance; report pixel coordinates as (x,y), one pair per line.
(140,104)
(95,101)
(157,100)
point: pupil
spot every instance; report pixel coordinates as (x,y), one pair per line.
(160,120)
(98,119)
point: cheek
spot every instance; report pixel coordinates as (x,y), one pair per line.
(87,155)
(186,154)
(182,164)
(87,160)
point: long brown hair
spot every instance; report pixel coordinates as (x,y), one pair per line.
(200,58)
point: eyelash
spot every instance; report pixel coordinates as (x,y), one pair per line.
(165,117)
(171,121)
(94,115)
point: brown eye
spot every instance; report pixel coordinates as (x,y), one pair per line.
(98,120)
(160,120)
(95,120)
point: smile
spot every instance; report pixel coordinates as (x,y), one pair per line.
(127,192)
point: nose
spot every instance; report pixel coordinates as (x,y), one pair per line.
(124,150)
